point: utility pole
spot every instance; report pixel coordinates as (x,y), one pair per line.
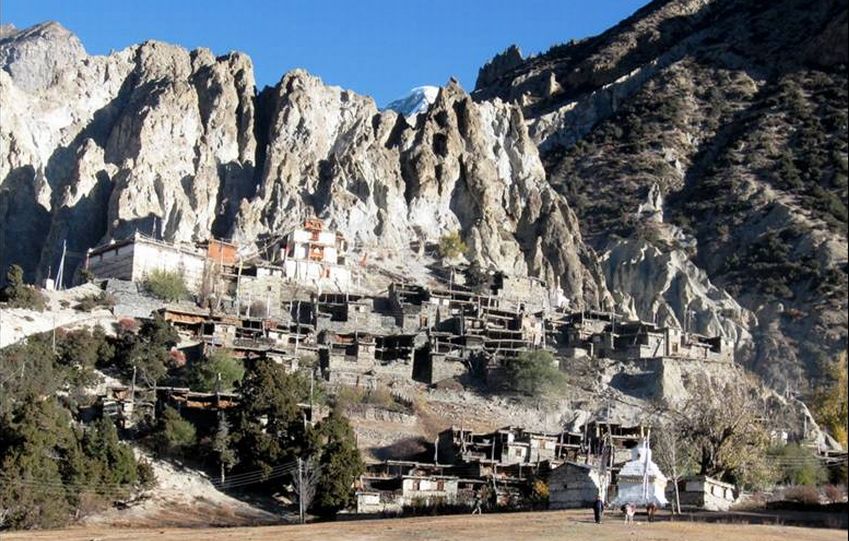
(297,325)
(133,395)
(312,382)
(133,386)
(238,286)
(300,490)
(60,275)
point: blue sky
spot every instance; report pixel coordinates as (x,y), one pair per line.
(377,48)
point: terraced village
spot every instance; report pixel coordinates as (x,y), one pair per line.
(440,378)
(600,293)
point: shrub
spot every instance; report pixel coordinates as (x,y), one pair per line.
(802,494)
(380,396)
(203,374)
(175,435)
(146,475)
(166,285)
(87,276)
(537,493)
(89,302)
(532,373)
(834,493)
(451,245)
(20,295)
(476,277)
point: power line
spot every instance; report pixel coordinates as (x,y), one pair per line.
(238,480)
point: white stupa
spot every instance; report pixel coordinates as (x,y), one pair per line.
(640,480)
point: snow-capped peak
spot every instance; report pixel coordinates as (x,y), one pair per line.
(415,102)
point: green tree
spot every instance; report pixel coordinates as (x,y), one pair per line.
(83,348)
(340,464)
(20,295)
(203,374)
(222,446)
(451,245)
(166,285)
(48,467)
(269,429)
(174,435)
(799,466)
(112,467)
(34,440)
(831,401)
(726,433)
(533,373)
(29,369)
(147,350)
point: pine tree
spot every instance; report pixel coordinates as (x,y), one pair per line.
(36,440)
(222,446)
(340,464)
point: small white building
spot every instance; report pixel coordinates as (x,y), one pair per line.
(640,481)
(315,255)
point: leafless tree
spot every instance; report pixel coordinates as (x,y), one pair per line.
(671,454)
(305,482)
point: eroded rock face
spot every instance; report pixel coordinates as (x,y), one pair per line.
(464,166)
(734,113)
(177,144)
(666,287)
(92,147)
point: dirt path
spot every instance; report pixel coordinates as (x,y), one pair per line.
(544,526)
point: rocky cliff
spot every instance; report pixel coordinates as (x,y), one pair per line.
(687,166)
(179,144)
(708,135)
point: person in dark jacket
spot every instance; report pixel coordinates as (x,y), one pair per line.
(598,510)
(651,509)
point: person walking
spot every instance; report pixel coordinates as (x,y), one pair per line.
(630,509)
(476,509)
(651,509)
(598,509)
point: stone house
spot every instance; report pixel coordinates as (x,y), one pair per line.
(574,485)
(702,492)
(134,258)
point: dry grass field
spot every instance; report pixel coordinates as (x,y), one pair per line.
(545,526)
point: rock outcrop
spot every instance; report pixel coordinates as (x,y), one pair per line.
(699,146)
(178,144)
(734,114)
(464,167)
(152,137)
